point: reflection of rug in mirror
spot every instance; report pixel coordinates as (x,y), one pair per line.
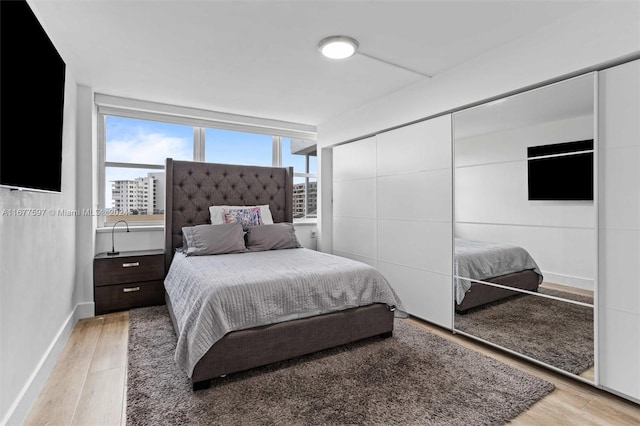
(412,378)
(554,332)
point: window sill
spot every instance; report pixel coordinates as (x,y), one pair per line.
(132,228)
(146,228)
(305,222)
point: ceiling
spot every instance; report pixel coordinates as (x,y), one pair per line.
(259,58)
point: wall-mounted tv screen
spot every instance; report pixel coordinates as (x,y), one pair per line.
(32,80)
(561,171)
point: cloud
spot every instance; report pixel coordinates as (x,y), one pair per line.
(149,148)
(141,146)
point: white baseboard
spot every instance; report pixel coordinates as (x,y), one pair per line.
(19,410)
(85,310)
(568,280)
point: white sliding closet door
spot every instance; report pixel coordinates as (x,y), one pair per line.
(354,201)
(414,196)
(619,229)
(392,209)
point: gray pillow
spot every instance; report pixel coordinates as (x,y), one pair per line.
(213,239)
(272,237)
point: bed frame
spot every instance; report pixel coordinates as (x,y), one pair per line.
(191,187)
(482,294)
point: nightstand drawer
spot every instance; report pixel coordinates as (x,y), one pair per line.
(125,296)
(128,269)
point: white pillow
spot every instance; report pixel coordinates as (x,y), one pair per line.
(217,215)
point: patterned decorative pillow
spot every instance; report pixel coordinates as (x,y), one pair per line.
(217,217)
(247,217)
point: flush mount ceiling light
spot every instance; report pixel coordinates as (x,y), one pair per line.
(338,47)
(343,47)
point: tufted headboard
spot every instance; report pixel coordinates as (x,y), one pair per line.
(191,187)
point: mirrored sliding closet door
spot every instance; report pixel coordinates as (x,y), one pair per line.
(525,230)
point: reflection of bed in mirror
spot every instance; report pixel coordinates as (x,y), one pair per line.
(498,263)
(494,161)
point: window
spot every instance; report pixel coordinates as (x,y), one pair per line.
(231,147)
(302,156)
(135,152)
(135,145)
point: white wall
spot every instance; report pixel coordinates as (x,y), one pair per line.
(86,193)
(38,293)
(601,33)
(491,201)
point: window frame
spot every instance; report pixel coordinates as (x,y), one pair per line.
(199,120)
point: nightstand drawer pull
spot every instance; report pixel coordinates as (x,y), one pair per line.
(130,265)
(130,289)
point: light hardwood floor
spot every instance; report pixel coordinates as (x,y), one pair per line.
(88,383)
(574,290)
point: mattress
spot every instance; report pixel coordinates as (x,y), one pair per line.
(214,295)
(482,260)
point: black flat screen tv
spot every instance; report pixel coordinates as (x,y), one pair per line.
(561,172)
(32,81)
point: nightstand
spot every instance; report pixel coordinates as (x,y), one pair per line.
(131,279)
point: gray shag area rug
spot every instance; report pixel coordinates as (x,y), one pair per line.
(412,378)
(557,333)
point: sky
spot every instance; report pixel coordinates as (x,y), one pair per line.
(150,142)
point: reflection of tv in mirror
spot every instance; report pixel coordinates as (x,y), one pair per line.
(561,171)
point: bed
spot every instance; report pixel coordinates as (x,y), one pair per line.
(504,264)
(240,310)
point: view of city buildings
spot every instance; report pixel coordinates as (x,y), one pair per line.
(139,196)
(305,206)
(144,197)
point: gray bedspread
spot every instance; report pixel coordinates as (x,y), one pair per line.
(481,260)
(213,295)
